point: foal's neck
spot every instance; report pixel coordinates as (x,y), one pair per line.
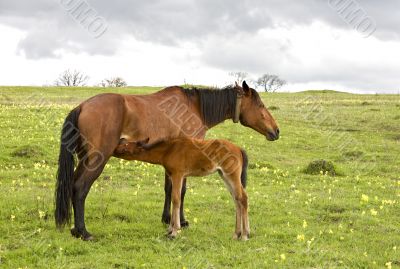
(153,154)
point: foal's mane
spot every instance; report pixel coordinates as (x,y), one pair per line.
(215,104)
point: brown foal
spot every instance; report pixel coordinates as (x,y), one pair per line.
(183,157)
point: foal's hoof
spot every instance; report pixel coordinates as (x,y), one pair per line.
(171,235)
(184,224)
(85,236)
(236,236)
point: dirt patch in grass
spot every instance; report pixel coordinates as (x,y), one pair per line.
(317,166)
(365,103)
(396,137)
(28,151)
(351,130)
(121,218)
(353,155)
(335,208)
(273,108)
(260,166)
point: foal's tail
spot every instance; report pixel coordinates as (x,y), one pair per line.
(243,176)
(63,194)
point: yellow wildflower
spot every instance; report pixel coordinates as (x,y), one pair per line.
(300,237)
(364,198)
(373,212)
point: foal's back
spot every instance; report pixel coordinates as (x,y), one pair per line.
(196,157)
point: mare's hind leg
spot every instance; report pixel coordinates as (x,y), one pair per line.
(87,172)
(166,215)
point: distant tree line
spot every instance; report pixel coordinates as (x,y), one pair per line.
(71,79)
(269,82)
(75,78)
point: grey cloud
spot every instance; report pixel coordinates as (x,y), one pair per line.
(170,22)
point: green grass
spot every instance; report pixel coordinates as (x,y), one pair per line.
(297,220)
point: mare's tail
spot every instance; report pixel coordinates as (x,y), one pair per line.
(243,176)
(65,174)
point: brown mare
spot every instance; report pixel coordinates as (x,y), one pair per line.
(94,128)
(183,157)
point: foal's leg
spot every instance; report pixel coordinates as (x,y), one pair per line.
(238,224)
(245,218)
(235,187)
(166,215)
(175,224)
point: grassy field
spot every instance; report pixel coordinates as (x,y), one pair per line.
(297,220)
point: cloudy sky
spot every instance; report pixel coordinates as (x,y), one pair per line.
(312,44)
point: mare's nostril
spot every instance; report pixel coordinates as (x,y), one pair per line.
(271,135)
(277,131)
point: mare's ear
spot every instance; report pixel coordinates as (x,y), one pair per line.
(245,88)
(239,89)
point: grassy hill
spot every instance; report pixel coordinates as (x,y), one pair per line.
(297,220)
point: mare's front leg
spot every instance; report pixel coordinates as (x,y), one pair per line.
(166,215)
(184,223)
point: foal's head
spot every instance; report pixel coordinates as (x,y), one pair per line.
(126,148)
(255,115)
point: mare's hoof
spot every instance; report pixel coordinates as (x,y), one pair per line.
(166,219)
(88,237)
(184,224)
(75,233)
(85,236)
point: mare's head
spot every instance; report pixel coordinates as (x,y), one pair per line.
(254,114)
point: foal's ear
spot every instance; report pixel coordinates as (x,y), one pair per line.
(142,142)
(245,87)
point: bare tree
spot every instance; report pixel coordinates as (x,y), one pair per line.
(71,79)
(113,82)
(239,76)
(270,83)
